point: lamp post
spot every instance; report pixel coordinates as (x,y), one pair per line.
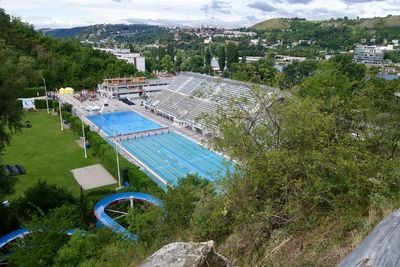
(84,139)
(45,91)
(116,152)
(61,120)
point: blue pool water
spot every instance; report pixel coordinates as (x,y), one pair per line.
(123,122)
(389,77)
(173,156)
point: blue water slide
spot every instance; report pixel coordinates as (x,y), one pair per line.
(107,221)
(99,212)
(10,237)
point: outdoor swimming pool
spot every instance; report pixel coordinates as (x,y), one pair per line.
(173,156)
(123,123)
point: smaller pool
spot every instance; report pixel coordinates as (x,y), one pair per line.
(123,123)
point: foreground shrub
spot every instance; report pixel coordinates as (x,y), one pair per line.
(40,198)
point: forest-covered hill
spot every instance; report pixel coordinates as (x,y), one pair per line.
(60,62)
(141,33)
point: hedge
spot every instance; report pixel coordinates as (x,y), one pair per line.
(41,103)
(105,152)
(55,105)
(31,92)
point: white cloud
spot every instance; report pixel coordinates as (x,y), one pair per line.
(69,13)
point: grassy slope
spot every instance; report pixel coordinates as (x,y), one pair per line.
(271,24)
(46,153)
(369,23)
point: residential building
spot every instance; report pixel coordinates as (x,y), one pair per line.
(369,55)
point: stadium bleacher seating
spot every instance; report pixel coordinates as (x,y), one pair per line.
(191,94)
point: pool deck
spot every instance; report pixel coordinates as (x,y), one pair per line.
(116,106)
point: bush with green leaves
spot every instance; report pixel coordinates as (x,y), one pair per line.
(41,103)
(148,222)
(84,246)
(31,92)
(55,105)
(48,236)
(41,198)
(211,219)
(9,220)
(180,201)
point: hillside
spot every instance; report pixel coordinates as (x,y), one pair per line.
(363,23)
(60,62)
(64,33)
(272,24)
(334,34)
(138,33)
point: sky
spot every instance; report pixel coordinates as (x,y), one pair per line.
(228,13)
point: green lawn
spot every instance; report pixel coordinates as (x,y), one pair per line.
(46,152)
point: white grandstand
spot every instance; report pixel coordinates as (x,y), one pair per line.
(191,94)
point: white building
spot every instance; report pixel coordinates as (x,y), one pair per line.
(208,40)
(288,59)
(368,54)
(125,54)
(131,87)
(254,42)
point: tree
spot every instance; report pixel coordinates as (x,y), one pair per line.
(211,220)
(171,51)
(394,56)
(327,83)
(151,62)
(83,248)
(148,224)
(180,58)
(180,201)
(197,64)
(350,68)
(260,72)
(15,72)
(244,57)
(296,72)
(160,55)
(9,220)
(232,55)
(294,159)
(41,198)
(166,63)
(207,56)
(221,58)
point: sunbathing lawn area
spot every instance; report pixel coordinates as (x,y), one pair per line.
(46,152)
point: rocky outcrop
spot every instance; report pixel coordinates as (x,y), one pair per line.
(181,254)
